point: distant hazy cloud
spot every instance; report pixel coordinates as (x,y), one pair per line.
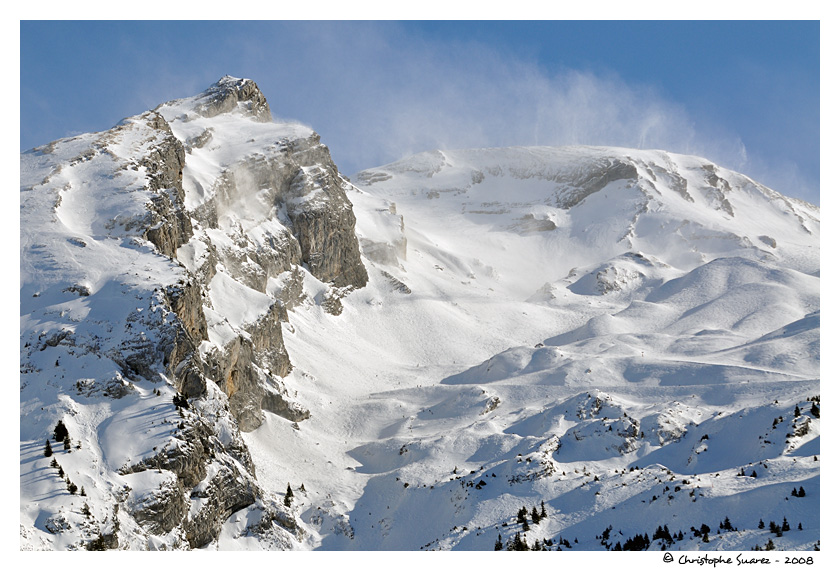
(376,95)
(376,92)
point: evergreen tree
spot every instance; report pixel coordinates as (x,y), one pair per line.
(287,501)
(663,533)
(517,544)
(815,410)
(785,525)
(498,546)
(543,514)
(60,432)
(48,450)
(796,412)
(535,515)
(801,492)
(67,443)
(760,524)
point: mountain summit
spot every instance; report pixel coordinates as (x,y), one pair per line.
(225,96)
(228,344)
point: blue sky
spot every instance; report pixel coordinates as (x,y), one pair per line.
(743,94)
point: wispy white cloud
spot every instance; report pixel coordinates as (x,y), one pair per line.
(376,95)
(377,92)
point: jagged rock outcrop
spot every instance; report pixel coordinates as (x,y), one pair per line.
(265,333)
(299,183)
(594,179)
(234,370)
(324,227)
(202,269)
(229,93)
(170,226)
(264,216)
(226,491)
(213,480)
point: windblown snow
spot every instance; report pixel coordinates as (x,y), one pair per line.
(615,339)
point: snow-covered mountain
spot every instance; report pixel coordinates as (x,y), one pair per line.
(251,351)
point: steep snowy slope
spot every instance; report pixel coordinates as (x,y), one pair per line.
(585,327)
(616,340)
(158,260)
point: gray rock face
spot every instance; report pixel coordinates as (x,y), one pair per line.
(301,180)
(267,338)
(181,358)
(162,510)
(595,179)
(170,225)
(229,93)
(235,372)
(153,320)
(230,485)
(227,491)
(324,226)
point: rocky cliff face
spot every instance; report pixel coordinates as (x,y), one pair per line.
(261,213)
(163,259)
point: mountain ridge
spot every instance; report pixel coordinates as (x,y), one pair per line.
(256,352)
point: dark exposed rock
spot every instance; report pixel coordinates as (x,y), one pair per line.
(396,284)
(170,226)
(228,490)
(180,345)
(717,189)
(594,179)
(235,372)
(81,290)
(229,486)
(330,301)
(291,293)
(324,225)
(161,510)
(199,140)
(301,177)
(228,93)
(186,303)
(311,225)
(267,338)
(276,403)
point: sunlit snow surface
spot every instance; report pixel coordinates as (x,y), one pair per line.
(523,339)
(541,347)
